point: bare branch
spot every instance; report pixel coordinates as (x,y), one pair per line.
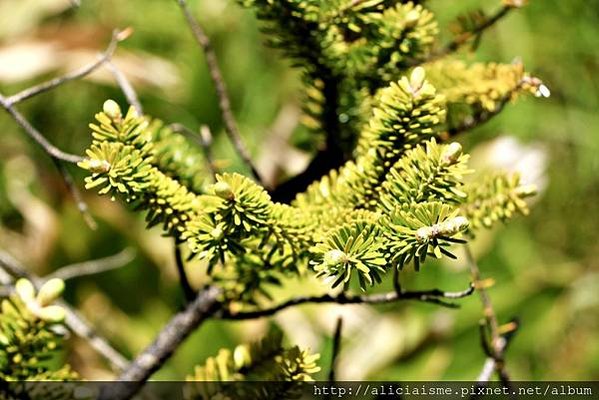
(125,86)
(465,37)
(435,296)
(37,136)
(188,291)
(74,190)
(25,94)
(224,102)
(93,267)
(497,341)
(168,340)
(336,348)
(73,320)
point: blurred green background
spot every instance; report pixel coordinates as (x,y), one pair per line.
(545,266)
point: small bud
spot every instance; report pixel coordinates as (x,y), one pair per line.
(451,153)
(98,166)
(411,18)
(223,190)
(453,226)
(335,257)
(425,233)
(51,314)
(217,233)
(543,91)
(25,290)
(241,357)
(50,291)
(112,109)
(417,78)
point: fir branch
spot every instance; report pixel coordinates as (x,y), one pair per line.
(93,267)
(483,115)
(224,102)
(434,296)
(73,320)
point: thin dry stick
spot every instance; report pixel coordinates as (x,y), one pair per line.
(37,136)
(188,291)
(76,194)
(125,86)
(221,90)
(498,342)
(25,94)
(168,340)
(206,305)
(428,296)
(73,320)
(93,267)
(336,348)
(462,39)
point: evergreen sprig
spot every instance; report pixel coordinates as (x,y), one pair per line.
(30,337)
(264,361)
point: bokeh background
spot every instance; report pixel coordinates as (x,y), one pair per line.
(545,266)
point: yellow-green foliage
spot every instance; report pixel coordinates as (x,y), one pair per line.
(400,199)
(398,202)
(264,361)
(350,50)
(29,333)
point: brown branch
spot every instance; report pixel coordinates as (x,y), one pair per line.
(73,320)
(104,57)
(224,102)
(434,296)
(76,194)
(463,38)
(336,348)
(48,147)
(125,86)
(497,344)
(93,267)
(168,340)
(188,291)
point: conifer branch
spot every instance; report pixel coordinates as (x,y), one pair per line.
(167,341)
(434,296)
(93,267)
(79,73)
(73,320)
(224,102)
